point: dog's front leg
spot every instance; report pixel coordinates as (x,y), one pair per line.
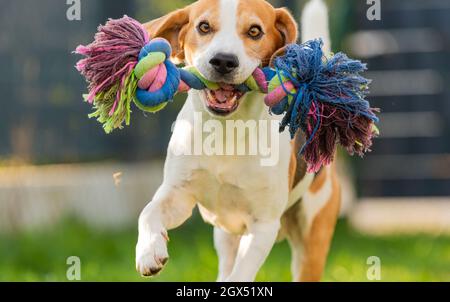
(169,208)
(254,248)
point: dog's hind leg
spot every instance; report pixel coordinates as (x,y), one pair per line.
(254,247)
(226,245)
(169,208)
(309,226)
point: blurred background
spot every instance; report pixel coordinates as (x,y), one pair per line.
(67,189)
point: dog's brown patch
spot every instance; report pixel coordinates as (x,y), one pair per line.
(297,167)
(179,28)
(278,25)
(319,181)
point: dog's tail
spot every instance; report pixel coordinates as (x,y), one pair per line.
(315,23)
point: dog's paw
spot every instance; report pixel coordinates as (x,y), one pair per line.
(151,254)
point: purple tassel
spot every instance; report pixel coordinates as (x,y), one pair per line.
(337,125)
(112,55)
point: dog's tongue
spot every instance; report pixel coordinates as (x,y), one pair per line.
(223,95)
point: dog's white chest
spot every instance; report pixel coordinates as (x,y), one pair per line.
(232,190)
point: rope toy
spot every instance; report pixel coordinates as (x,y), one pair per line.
(324,97)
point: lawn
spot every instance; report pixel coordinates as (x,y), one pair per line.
(109,256)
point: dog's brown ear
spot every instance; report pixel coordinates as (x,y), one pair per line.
(287,26)
(172,28)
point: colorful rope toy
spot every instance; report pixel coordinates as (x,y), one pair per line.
(324,97)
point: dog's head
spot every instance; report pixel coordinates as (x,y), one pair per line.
(226,40)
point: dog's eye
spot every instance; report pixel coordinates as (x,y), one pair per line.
(255,32)
(204,28)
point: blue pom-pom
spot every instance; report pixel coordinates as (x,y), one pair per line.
(317,79)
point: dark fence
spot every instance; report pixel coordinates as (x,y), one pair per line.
(408,53)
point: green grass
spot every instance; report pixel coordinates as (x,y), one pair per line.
(109,256)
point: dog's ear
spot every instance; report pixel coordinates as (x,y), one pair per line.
(288,28)
(171,27)
(286,25)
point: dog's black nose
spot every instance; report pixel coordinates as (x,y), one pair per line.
(224,63)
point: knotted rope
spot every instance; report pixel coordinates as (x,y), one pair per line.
(324,97)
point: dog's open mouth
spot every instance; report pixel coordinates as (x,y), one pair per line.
(223,101)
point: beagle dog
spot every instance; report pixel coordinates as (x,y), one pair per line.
(251,205)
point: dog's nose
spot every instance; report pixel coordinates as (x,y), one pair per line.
(224,63)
